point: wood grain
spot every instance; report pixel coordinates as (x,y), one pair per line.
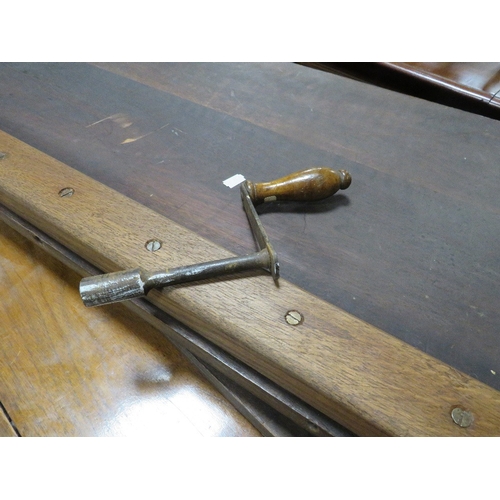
(409,247)
(6,429)
(466,86)
(278,97)
(362,377)
(67,371)
(311,184)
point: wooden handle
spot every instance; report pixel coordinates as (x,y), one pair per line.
(307,185)
(336,363)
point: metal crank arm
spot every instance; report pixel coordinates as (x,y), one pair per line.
(307,185)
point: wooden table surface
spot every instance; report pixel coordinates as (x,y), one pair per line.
(67,371)
(409,248)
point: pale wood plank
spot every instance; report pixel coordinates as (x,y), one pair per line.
(364,378)
(409,251)
(66,371)
(6,429)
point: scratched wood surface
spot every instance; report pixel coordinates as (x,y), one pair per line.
(364,378)
(6,428)
(411,247)
(469,86)
(66,371)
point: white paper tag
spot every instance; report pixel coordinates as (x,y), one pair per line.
(233,181)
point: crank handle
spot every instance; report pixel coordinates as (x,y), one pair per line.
(307,185)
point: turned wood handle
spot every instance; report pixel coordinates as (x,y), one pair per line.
(307,185)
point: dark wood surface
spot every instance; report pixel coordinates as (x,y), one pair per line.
(333,361)
(469,86)
(410,247)
(476,80)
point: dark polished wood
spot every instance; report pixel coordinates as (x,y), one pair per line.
(470,86)
(333,361)
(479,81)
(410,247)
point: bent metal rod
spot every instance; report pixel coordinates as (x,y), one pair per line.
(307,185)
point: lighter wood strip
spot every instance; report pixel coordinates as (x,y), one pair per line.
(6,429)
(355,373)
(68,371)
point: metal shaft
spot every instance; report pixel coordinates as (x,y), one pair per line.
(134,283)
(124,285)
(311,184)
